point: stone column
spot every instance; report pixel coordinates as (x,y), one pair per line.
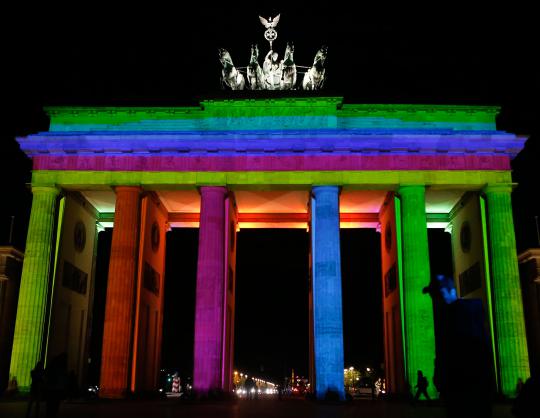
(32,306)
(119,305)
(511,341)
(418,309)
(327,311)
(208,349)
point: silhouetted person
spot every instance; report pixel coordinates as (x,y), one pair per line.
(526,403)
(12,387)
(463,372)
(56,382)
(36,388)
(421,385)
(519,386)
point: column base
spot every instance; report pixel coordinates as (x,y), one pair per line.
(331,396)
(113,393)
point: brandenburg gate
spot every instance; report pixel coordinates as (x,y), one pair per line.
(301,162)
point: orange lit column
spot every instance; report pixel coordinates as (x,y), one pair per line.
(119,308)
(209,306)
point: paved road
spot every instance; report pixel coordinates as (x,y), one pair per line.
(293,408)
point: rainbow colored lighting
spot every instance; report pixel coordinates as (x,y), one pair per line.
(310,143)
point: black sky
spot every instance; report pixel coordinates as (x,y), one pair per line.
(151,54)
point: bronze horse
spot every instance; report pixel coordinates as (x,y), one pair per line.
(230,76)
(255,75)
(315,76)
(288,76)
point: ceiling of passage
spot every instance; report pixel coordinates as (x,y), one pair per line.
(280,202)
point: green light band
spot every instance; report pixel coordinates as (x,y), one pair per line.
(59,228)
(389,180)
(310,112)
(397,211)
(488,286)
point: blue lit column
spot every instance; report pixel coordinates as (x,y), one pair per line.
(327,313)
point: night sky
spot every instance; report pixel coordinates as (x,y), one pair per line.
(144,55)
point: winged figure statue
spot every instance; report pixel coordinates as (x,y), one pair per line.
(270,23)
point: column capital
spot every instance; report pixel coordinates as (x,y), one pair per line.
(408,186)
(45,188)
(213,189)
(325,188)
(499,188)
(131,189)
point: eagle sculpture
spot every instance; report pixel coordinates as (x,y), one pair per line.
(270,23)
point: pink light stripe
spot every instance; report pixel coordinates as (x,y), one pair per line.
(272,163)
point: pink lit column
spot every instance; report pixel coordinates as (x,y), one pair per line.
(208,350)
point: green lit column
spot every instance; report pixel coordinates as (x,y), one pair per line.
(511,339)
(31,309)
(418,309)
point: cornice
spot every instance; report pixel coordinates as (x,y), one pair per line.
(364,142)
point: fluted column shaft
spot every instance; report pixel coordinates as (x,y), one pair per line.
(327,303)
(119,305)
(418,310)
(32,305)
(507,301)
(208,349)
